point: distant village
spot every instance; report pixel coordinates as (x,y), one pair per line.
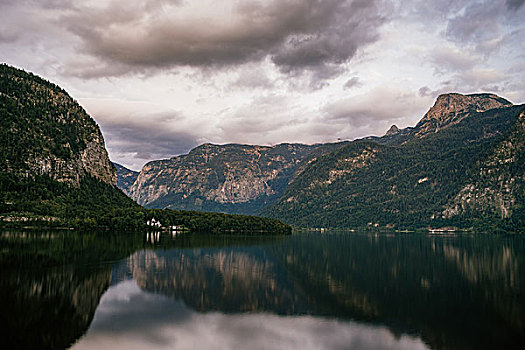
(157,225)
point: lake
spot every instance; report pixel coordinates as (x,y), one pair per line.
(336,290)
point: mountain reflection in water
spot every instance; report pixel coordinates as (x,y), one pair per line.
(307,291)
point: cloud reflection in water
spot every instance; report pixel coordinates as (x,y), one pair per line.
(130,318)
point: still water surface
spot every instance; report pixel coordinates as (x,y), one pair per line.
(338,290)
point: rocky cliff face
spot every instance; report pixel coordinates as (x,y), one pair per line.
(230,178)
(46,132)
(450,109)
(93,160)
(392,131)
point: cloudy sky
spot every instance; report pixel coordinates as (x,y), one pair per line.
(163,76)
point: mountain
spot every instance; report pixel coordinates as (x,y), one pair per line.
(45,132)
(53,161)
(448,110)
(229,178)
(462,165)
(125,177)
(392,131)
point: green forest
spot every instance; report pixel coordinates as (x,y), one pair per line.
(403,185)
(38,118)
(94,204)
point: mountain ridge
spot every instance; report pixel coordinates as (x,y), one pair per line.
(230,178)
(448,110)
(451,137)
(412,183)
(54,167)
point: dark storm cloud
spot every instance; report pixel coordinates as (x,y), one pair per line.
(331,36)
(138,139)
(515,4)
(148,144)
(296,35)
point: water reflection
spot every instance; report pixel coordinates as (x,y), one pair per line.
(130,318)
(48,310)
(238,279)
(51,284)
(337,290)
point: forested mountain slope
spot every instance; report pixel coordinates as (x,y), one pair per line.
(45,132)
(53,162)
(462,167)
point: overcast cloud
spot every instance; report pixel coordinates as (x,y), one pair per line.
(161,76)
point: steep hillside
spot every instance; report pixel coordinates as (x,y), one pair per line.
(497,186)
(426,177)
(45,132)
(226,178)
(53,162)
(125,177)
